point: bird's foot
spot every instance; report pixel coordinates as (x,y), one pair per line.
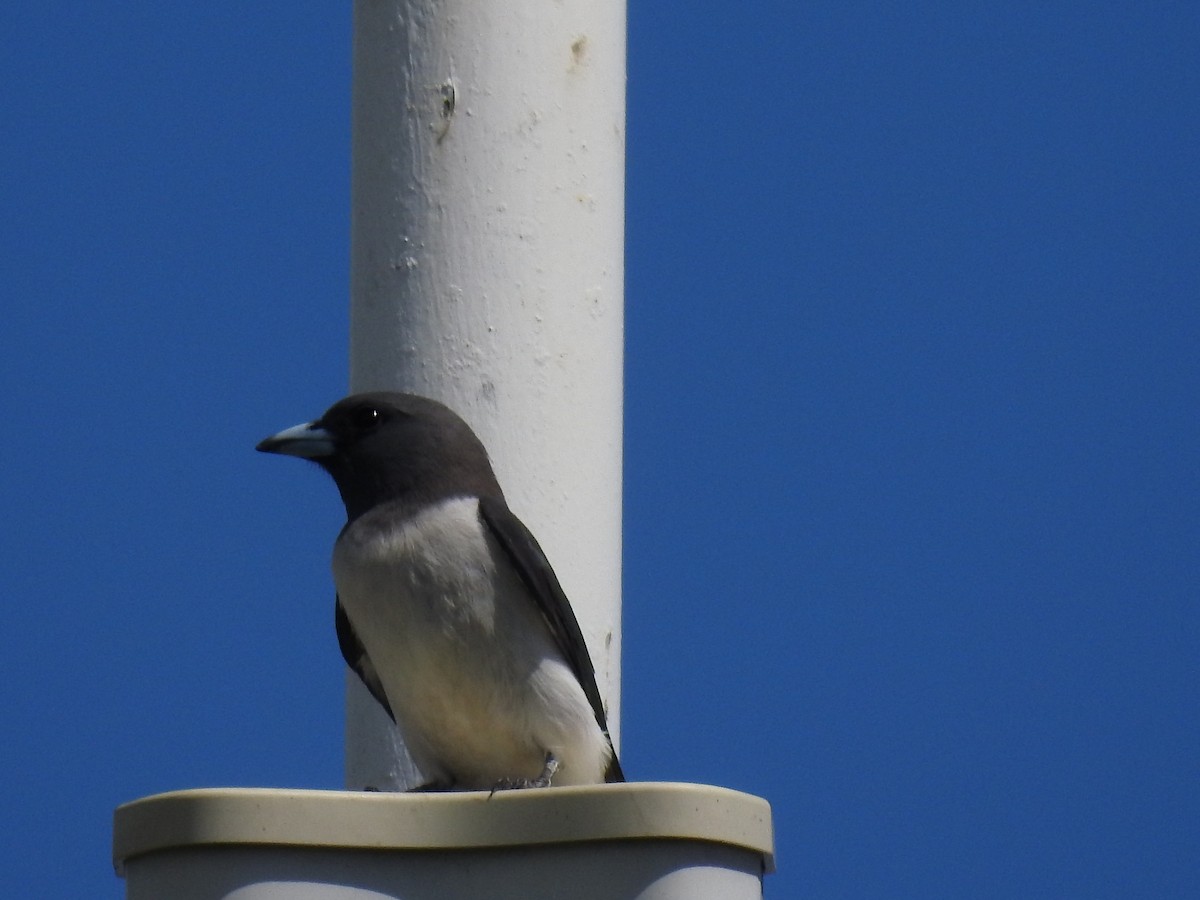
(548,770)
(543,780)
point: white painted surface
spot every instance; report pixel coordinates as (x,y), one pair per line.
(640,841)
(487,272)
(644,870)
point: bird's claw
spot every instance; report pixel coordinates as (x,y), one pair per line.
(543,780)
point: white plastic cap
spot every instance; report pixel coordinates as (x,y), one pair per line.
(646,841)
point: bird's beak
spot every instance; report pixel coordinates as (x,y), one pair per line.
(308,440)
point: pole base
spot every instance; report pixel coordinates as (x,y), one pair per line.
(649,841)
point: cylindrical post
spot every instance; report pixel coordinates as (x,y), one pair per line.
(487,272)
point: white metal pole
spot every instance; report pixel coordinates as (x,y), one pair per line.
(487,208)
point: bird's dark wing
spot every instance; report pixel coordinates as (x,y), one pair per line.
(356,657)
(533,567)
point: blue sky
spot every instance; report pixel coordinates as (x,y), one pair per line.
(912,531)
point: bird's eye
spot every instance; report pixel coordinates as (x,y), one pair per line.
(366,418)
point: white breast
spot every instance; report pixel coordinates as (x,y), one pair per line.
(477,685)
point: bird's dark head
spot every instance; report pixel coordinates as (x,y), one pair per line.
(381,447)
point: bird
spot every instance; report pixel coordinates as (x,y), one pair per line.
(447,608)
